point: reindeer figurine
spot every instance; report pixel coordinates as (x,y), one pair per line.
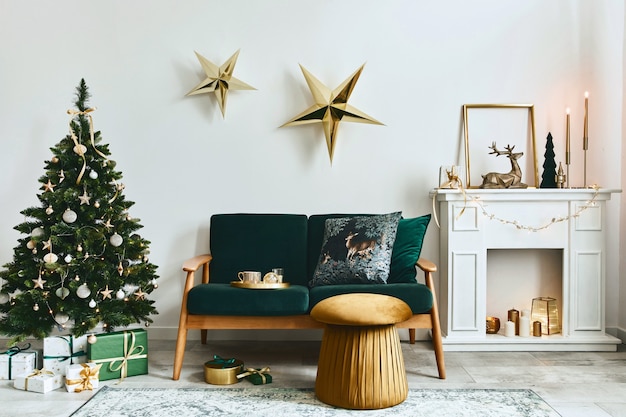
(511,179)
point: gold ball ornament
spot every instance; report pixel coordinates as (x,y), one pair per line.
(49,210)
(96,204)
(80,149)
(36,307)
(91,339)
(54,160)
(31,244)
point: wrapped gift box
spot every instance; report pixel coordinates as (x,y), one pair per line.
(82,377)
(258,376)
(61,351)
(16,361)
(220,371)
(121,354)
(38,381)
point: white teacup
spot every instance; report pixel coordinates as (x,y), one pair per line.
(249,276)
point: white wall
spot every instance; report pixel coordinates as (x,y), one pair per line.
(182,162)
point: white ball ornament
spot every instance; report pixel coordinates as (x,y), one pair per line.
(91,339)
(49,211)
(83,291)
(68,258)
(4,298)
(69,216)
(120,294)
(92,303)
(61,317)
(36,307)
(37,231)
(93,174)
(116,240)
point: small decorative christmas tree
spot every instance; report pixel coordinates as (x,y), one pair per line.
(81,262)
(548,178)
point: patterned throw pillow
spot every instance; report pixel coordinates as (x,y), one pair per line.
(356,250)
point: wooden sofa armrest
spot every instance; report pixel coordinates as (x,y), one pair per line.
(191,265)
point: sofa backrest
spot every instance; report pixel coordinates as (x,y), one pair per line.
(258,242)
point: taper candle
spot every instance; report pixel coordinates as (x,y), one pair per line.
(586,126)
(567,160)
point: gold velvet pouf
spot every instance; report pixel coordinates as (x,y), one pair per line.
(360,364)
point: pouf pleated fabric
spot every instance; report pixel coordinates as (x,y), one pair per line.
(360,364)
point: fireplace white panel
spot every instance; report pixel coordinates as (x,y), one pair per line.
(472,224)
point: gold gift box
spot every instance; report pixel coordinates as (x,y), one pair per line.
(216,374)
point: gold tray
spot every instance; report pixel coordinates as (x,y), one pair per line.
(259,285)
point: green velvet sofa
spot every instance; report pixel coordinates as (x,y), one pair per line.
(261,242)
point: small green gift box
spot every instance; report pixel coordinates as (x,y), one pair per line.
(122,354)
(259,376)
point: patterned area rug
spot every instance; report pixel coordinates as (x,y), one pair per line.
(291,402)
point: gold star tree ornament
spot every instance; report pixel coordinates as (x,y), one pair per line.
(219,80)
(331,108)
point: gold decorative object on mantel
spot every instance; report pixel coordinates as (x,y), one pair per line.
(512,179)
(219,80)
(331,107)
(531,121)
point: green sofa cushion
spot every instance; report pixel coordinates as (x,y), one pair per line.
(407,249)
(222,299)
(258,242)
(416,295)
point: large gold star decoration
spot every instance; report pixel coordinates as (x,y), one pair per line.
(331,107)
(219,80)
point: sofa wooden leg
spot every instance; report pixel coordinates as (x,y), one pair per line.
(412,336)
(179,354)
(203,334)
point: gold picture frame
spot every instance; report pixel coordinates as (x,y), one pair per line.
(530,120)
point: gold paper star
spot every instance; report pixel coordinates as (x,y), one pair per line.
(331,107)
(39,282)
(219,80)
(48,186)
(106,293)
(140,295)
(108,224)
(84,199)
(47,244)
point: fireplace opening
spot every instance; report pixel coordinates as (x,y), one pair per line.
(516,276)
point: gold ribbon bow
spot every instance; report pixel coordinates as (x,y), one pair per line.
(129,354)
(252,371)
(42,371)
(86,375)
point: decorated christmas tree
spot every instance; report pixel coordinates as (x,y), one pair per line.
(548,178)
(81,262)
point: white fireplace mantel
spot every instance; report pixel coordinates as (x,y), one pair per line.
(474,221)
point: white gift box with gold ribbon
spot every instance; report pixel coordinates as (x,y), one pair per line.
(41,381)
(82,377)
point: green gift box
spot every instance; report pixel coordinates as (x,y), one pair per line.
(122,354)
(257,376)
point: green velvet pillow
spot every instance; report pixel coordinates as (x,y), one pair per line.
(356,250)
(407,249)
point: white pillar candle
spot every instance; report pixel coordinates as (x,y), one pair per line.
(509,329)
(524,326)
(526,313)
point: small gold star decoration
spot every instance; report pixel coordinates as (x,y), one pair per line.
(331,107)
(48,187)
(106,293)
(84,199)
(140,295)
(219,80)
(39,282)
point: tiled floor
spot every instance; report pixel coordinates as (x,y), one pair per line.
(586,384)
